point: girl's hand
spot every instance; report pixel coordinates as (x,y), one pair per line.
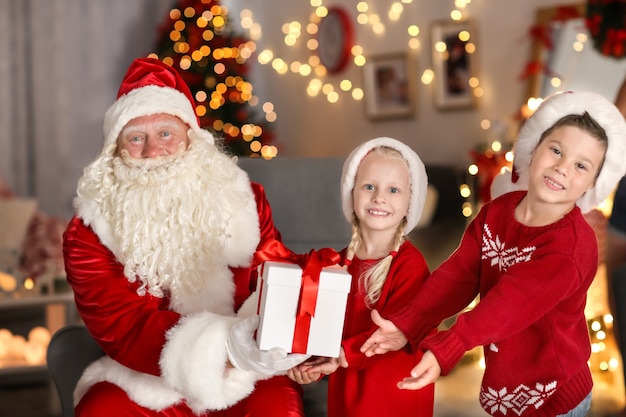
(314,369)
(327,366)
(302,376)
(426,372)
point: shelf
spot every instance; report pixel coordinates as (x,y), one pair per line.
(17,300)
(23,375)
(52,311)
(12,367)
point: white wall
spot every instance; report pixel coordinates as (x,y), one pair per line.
(313,127)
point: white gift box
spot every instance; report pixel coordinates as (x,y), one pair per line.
(278,306)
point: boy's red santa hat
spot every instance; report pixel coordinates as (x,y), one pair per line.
(417,175)
(549,112)
(150,87)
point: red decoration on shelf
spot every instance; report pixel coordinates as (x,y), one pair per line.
(490,164)
(42,252)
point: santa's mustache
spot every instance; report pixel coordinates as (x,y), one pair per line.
(154,162)
(149,170)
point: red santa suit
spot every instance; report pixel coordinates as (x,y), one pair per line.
(160,282)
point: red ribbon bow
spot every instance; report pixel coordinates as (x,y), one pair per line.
(311,264)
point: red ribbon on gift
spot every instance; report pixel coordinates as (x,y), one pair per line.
(311,264)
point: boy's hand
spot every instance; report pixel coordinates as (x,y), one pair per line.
(387,338)
(426,372)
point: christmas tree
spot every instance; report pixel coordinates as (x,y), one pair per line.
(198,39)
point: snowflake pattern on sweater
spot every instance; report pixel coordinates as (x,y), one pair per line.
(522,397)
(504,257)
(518,400)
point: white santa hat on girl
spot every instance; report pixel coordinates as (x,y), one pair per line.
(417,176)
(150,87)
(549,112)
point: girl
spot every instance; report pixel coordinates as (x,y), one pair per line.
(383,190)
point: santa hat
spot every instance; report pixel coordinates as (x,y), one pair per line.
(549,112)
(417,173)
(151,87)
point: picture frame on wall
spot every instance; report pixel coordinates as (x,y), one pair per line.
(453,55)
(389,86)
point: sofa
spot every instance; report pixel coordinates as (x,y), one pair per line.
(306,205)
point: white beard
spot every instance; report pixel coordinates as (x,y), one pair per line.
(173,219)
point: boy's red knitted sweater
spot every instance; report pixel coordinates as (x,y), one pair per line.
(532,283)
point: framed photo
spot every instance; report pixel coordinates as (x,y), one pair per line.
(453,50)
(389,84)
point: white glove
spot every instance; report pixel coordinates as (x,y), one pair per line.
(244,353)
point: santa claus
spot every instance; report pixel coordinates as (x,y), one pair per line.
(158,255)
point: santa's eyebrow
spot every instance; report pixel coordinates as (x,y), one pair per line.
(141,128)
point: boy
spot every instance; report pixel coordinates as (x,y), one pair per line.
(531,257)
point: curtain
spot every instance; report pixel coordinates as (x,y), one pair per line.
(63,63)
(13,158)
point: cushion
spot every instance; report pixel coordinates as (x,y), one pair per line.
(43,247)
(15,217)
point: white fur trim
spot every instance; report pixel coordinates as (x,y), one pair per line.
(417,171)
(503,183)
(551,110)
(91,215)
(146,390)
(244,233)
(193,364)
(193,361)
(146,101)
